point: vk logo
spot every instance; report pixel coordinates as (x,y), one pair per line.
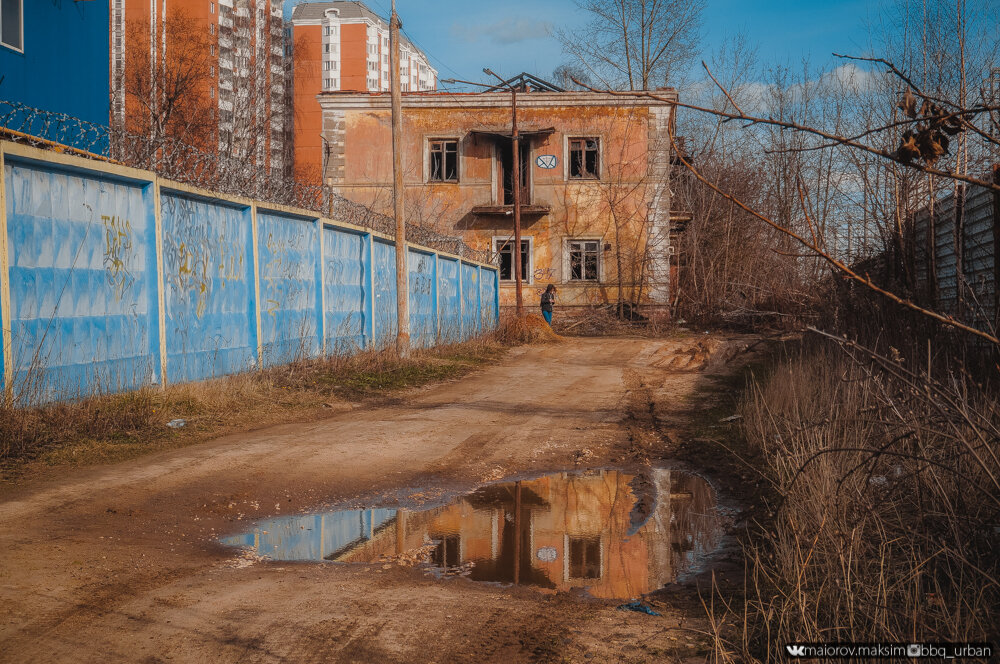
(796,651)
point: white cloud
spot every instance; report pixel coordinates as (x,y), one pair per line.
(506,31)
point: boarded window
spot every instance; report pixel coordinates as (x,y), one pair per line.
(505,253)
(12,24)
(583,260)
(584,158)
(584,557)
(444,161)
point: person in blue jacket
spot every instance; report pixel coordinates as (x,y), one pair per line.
(548,299)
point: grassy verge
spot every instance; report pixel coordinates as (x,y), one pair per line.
(118,427)
(881,505)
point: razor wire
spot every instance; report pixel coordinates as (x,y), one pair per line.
(173,159)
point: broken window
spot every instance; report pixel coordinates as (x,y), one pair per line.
(504,248)
(584,256)
(448,552)
(505,153)
(585,557)
(584,159)
(444,161)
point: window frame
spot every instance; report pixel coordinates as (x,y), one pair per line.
(568,263)
(428,143)
(21,17)
(567,563)
(568,152)
(527,276)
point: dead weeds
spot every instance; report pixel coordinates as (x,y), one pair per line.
(117,427)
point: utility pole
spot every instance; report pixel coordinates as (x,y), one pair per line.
(402,291)
(516,172)
(515,140)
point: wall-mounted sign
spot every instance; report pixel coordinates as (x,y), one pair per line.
(546,161)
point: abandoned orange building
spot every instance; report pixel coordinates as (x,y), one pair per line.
(595,194)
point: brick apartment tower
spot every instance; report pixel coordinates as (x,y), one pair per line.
(246,69)
(342,46)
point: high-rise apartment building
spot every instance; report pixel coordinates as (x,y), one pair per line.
(343,46)
(217,70)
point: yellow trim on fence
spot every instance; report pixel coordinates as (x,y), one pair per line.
(256,285)
(8,336)
(320,229)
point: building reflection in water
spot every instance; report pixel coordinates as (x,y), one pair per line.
(618,534)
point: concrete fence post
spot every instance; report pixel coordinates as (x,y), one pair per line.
(496,298)
(6,334)
(321,286)
(479,298)
(437,299)
(256,286)
(461,303)
(161,292)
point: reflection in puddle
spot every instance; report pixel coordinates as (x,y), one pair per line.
(618,534)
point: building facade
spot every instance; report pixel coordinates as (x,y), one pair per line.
(594,184)
(38,42)
(230,55)
(343,46)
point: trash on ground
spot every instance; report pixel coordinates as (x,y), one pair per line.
(638,607)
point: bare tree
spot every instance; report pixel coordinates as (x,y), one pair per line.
(167,90)
(635,44)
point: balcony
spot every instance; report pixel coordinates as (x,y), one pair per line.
(495,210)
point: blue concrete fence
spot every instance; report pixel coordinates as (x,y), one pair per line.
(112,279)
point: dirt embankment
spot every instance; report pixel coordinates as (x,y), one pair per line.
(119,563)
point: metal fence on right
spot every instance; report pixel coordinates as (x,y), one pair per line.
(955,254)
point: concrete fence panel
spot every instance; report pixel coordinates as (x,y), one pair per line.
(82,270)
(423,298)
(471,311)
(290,320)
(208,275)
(346,264)
(384,292)
(112,279)
(449,301)
(489,297)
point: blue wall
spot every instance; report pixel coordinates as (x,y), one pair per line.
(65,63)
(345,270)
(384,287)
(449,300)
(208,282)
(423,298)
(471,314)
(82,282)
(313,537)
(289,299)
(85,294)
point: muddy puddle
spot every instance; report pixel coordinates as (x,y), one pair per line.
(618,534)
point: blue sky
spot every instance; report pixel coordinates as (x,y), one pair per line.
(463,36)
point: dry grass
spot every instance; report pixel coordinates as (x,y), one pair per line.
(121,426)
(528,329)
(888,507)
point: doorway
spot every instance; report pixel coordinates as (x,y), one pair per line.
(505,170)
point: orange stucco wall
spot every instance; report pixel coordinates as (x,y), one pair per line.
(354,56)
(578,209)
(308,81)
(596,505)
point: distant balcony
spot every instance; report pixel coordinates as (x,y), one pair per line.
(508,210)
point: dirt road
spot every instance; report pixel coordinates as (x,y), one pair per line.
(120,563)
